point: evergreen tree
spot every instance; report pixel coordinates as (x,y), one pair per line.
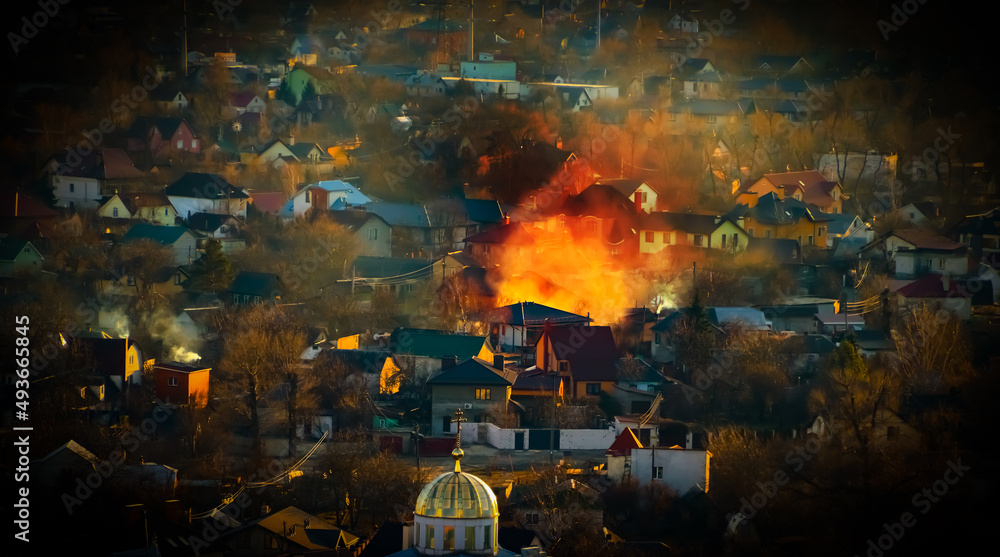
(211,272)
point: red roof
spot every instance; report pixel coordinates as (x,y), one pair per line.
(923,238)
(624,444)
(269,202)
(932,286)
(241,99)
(14,204)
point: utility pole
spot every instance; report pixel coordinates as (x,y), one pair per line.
(472,25)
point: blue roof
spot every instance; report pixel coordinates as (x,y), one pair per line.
(748,317)
(400,214)
(352,195)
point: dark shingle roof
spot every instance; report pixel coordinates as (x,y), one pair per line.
(474,372)
(531,313)
(203,185)
(163,235)
(435,344)
(593,360)
(257,284)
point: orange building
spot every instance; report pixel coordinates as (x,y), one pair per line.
(181,384)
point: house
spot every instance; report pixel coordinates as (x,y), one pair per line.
(111,167)
(181,242)
(687,117)
(543,509)
(250,287)
(488,67)
(810,187)
(835,323)
(659,230)
(372,233)
(584,356)
(919,251)
(181,384)
(167,280)
(845,225)
(200,192)
(424,352)
(679,469)
(76,192)
(480,387)
(411,227)
(780,65)
(118,359)
(324,195)
(939,292)
(154,208)
(305,50)
(516,327)
(169,99)
(795,314)
(269,202)
(60,469)
(774,217)
(224,228)
(399,275)
(302,77)
(638,192)
(600,212)
(18,255)
(425,84)
(279,153)
(241,103)
(295,531)
(160,137)
(920,213)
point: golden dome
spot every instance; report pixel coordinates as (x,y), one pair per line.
(457,495)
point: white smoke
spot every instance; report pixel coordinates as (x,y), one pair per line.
(182,355)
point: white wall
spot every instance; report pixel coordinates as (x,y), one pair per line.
(86,192)
(682,468)
(569,439)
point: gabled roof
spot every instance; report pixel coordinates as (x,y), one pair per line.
(207,222)
(474,372)
(15,204)
(686,222)
(167,126)
(625,186)
(74,448)
(163,235)
(435,344)
(932,286)
(242,99)
(593,360)
(269,201)
(109,354)
(352,219)
(400,214)
(11,247)
(531,313)
(750,318)
(623,444)
(320,535)
(202,185)
(927,239)
(484,211)
(599,200)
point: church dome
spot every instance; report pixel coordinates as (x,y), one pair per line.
(457,495)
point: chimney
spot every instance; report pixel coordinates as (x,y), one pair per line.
(448,362)
(638,202)
(498,361)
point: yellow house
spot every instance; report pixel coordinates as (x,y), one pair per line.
(773,217)
(662,229)
(584,357)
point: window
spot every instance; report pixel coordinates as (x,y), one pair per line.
(483,394)
(649,237)
(563,366)
(666,238)
(940,263)
(71,188)
(657,472)
(165,212)
(430,537)
(531,519)
(373,233)
(657,338)
(750,232)
(177,278)
(180,143)
(821,230)
(309,197)
(711,118)
(698,240)
(723,242)
(131,280)
(114,212)
(810,240)
(172,381)
(470,537)
(194,143)
(593,388)
(736,240)
(449,537)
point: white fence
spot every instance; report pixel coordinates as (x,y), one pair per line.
(569,439)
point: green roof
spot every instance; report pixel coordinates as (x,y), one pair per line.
(435,344)
(163,235)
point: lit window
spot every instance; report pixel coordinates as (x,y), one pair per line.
(483,394)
